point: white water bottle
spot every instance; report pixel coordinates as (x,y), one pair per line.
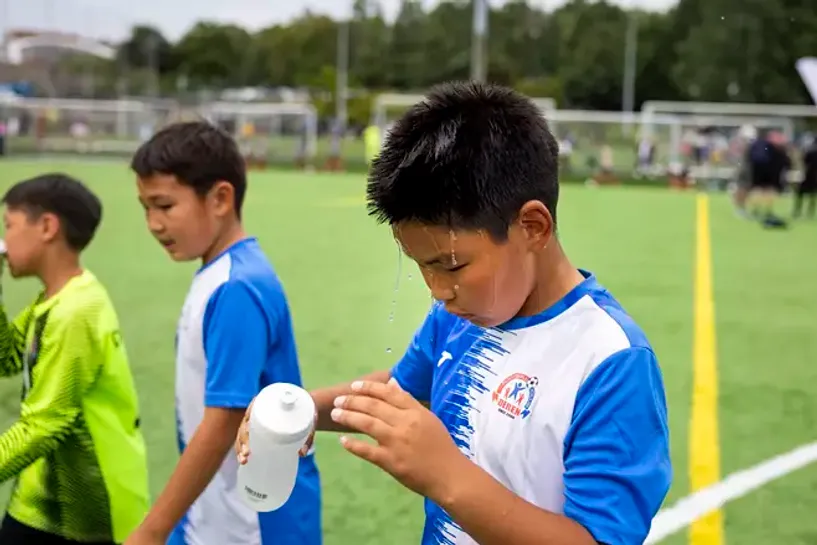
(280,422)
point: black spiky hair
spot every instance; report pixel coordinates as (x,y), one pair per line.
(467,157)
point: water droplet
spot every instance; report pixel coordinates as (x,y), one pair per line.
(391,316)
(388,351)
(409,276)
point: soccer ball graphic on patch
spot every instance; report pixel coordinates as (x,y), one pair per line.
(514,396)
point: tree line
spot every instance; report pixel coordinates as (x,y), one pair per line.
(713,50)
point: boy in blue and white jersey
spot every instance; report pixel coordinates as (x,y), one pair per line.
(234,337)
(529,408)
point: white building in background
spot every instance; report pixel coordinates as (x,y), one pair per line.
(24,46)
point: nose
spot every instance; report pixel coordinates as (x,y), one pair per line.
(154,224)
(441,289)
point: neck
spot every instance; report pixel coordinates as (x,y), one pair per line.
(225,240)
(555,278)
(58,271)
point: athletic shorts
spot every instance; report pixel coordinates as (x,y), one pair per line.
(13,532)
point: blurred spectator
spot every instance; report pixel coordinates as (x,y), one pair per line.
(808,185)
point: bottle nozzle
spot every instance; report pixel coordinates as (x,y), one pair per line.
(288,399)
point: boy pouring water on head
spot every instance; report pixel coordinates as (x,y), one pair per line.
(529,408)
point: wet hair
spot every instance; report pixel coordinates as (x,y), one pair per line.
(467,157)
(77,208)
(198,154)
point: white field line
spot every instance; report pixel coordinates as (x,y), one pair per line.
(687,510)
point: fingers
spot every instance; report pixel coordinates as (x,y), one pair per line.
(311,439)
(371,406)
(362,449)
(391,393)
(242,440)
(371,426)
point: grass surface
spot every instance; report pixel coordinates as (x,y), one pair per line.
(340,271)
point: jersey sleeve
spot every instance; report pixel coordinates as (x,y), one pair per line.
(415,370)
(12,342)
(65,367)
(616,457)
(238,334)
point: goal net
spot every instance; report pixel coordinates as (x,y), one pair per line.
(797,122)
(56,126)
(269,133)
(636,145)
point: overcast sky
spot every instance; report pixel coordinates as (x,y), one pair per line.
(112,18)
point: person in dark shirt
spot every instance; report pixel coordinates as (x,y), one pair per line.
(808,186)
(769,161)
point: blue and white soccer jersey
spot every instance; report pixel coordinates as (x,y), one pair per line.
(565,408)
(235,337)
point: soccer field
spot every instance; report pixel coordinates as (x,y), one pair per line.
(343,276)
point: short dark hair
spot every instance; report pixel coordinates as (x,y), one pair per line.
(78,209)
(468,156)
(198,154)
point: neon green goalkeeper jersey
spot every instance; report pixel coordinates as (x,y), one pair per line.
(77,451)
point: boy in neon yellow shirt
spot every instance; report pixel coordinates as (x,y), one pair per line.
(76,451)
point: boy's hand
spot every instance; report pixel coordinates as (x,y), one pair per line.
(413,445)
(242,440)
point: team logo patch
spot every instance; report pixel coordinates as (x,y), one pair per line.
(515,395)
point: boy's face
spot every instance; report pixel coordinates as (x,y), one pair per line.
(185,223)
(27,237)
(483,281)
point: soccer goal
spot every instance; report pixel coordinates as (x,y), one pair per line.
(632,143)
(273,133)
(44,125)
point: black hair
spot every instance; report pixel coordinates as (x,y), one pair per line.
(198,154)
(77,208)
(468,157)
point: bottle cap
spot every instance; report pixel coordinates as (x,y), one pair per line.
(285,412)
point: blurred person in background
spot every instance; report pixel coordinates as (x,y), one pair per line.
(371,140)
(808,185)
(743,175)
(769,163)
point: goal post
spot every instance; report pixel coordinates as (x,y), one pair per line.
(269,131)
(49,125)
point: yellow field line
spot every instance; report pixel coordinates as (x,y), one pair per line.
(704,445)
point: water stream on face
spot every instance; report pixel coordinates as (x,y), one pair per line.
(396,290)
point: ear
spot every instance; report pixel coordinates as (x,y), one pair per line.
(537,224)
(222,195)
(49,226)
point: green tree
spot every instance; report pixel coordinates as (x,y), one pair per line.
(214,55)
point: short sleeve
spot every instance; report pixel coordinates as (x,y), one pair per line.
(616,456)
(237,339)
(415,370)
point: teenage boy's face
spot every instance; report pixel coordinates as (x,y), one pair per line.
(477,278)
(181,220)
(26,237)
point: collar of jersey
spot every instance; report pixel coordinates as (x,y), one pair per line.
(44,305)
(587,286)
(227,250)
